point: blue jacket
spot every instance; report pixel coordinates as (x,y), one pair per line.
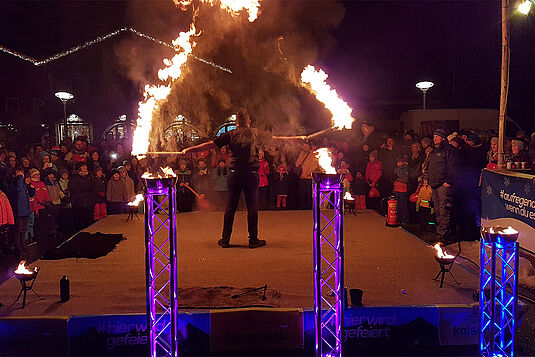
(19,197)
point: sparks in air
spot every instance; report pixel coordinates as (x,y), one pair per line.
(340,110)
(325,160)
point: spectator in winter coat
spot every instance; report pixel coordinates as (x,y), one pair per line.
(128,184)
(374,170)
(306,163)
(20,203)
(492,154)
(116,194)
(281,186)
(519,154)
(401,189)
(99,184)
(184,196)
(82,194)
(443,170)
(42,197)
(220,183)
(263,182)
(77,154)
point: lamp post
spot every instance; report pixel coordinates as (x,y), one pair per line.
(64,97)
(424,86)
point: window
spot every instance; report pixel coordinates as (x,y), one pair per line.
(38,105)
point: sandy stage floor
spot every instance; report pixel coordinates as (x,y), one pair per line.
(392,266)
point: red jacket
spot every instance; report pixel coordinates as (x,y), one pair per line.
(263,171)
(374,171)
(41,196)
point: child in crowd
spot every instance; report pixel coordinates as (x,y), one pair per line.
(99,182)
(184,196)
(401,193)
(220,183)
(30,234)
(347,178)
(39,204)
(263,183)
(360,189)
(201,177)
(128,184)
(423,204)
(281,186)
(116,194)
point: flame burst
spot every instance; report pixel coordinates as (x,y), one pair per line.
(233,7)
(139,198)
(442,254)
(155,94)
(325,160)
(164,172)
(348,197)
(21,269)
(341,112)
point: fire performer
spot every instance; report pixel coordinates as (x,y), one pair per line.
(244,143)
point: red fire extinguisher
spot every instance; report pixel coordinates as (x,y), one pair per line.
(392,212)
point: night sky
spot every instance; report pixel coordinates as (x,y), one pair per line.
(378,52)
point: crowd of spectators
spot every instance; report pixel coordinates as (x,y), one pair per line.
(48,191)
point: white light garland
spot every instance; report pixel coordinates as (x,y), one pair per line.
(100,39)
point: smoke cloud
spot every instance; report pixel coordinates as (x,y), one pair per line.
(266,58)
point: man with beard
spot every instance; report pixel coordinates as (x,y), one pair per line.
(442,174)
(243,143)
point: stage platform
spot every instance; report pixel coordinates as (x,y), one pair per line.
(391,266)
(394,269)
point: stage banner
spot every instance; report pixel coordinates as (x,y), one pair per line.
(126,335)
(508,198)
(459,325)
(35,336)
(370,330)
(256,329)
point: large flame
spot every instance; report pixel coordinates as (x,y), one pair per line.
(325,160)
(155,94)
(341,112)
(21,269)
(348,196)
(442,254)
(164,172)
(503,231)
(233,7)
(139,198)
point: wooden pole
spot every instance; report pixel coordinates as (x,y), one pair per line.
(504,82)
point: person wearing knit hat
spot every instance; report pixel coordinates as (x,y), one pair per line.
(520,158)
(440,132)
(443,171)
(457,142)
(426,142)
(451,136)
(473,140)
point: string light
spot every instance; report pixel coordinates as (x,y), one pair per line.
(100,39)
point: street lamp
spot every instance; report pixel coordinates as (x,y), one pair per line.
(64,97)
(424,86)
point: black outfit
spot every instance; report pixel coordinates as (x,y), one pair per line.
(83,200)
(243,175)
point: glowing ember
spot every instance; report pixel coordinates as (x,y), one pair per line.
(341,112)
(164,172)
(139,198)
(155,94)
(503,231)
(233,7)
(348,197)
(325,160)
(21,269)
(442,254)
